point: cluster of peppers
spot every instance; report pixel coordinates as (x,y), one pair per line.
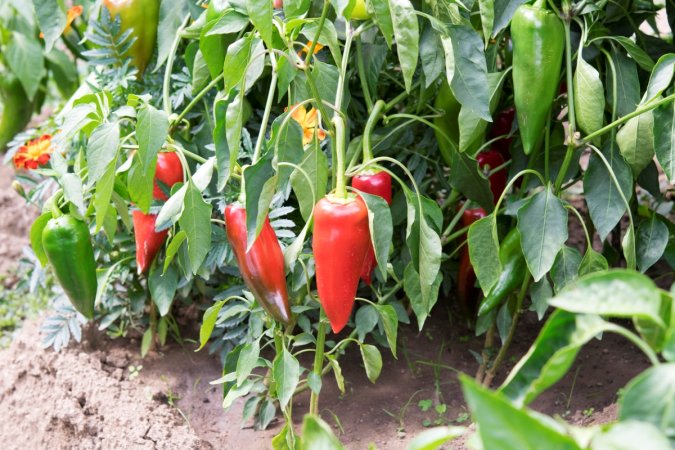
(341,239)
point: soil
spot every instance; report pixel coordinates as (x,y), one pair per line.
(101,394)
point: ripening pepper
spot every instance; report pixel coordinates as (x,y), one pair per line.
(501,127)
(512,276)
(491,159)
(448,123)
(262,267)
(341,242)
(538,42)
(375,183)
(143,17)
(169,171)
(16,108)
(67,243)
(148,241)
(466,277)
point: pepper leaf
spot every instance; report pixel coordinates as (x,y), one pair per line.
(196,222)
(381,229)
(286,373)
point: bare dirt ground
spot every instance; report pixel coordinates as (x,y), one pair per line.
(96,396)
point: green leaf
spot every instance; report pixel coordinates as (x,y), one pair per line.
(286,373)
(551,355)
(469,82)
(614,293)
(407,35)
(431,56)
(639,55)
(36,237)
(651,241)
(337,372)
(315,165)
(389,321)
(487,18)
(288,147)
(162,286)
(229,21)
(381,228)
(102,150)
(661,77)
(592,262)
(589,97)
(379,10)
(52,19)
(636,141)
(317,435)
(627,84)
(566,267)
(471,126)
(372,360)
(421,304)
(629,435)
(140,183)
(504,10)
(171,16)
(466,177)
(502,425)
(484,252)
(209,322)
(196,222)
(603,197)
(73,191)
(540,293)
(629,248)
(103,194)
(146,342)
(64,72)
(664,138)
(434,438)
(248,358)
(248,49)
(228,116)
(260,13)
(542,224)
(365,319)
(24,57)
(259,183)
(152,129)
(650,398)
(173,247)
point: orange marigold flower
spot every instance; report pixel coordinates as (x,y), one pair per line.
(73,13)
(305,50)
(309,121)
(34,154)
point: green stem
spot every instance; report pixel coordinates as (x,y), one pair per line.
(266,113)
(197,99)
(626,118)
(194,156)
(570,100)
(362,76)
(341,179)
(318,365)
(375,114)
(319,28)
(455,220)
(166,87)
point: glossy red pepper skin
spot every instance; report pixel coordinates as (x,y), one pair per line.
(169,171)
(375,183)
(502,126)
(148,241)
(262,267)
(341,242)
(466,277)
(492,159)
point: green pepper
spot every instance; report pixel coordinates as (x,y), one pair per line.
(538,42)
(513,273)
(67,244)
(16,108)
(142,16)
(447,123)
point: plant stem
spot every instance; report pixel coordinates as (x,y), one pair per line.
(492,371)
(489,342)
(266,113)
(169,66)
(375,114)
(197,99)
(318,365)
(572,130)
(362,76)
(626,118)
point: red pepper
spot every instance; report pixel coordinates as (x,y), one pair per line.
(466,277)
(341,242)
(148,241)
(492,159)
(262,267)
(502,126)
(375,183)
(169,171)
